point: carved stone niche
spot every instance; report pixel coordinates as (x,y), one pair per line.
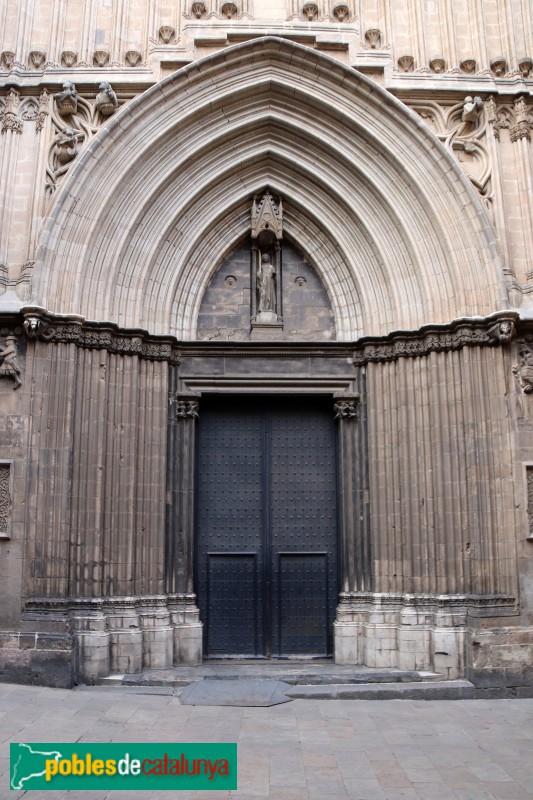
(310,12)
(69,58)
(37,58)
(229,10)
(7,59)
(100,58)
(266,233)
(166,33)
(133,58)
(406,63)
(498,66)
(437,65)
(341,12)
(525,65)
(468,65)
(373,37)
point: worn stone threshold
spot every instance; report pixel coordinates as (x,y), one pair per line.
(316,672)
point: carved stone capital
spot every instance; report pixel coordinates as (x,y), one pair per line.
(187,409)
(11,120)
(345,406)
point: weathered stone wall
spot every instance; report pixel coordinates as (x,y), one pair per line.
(226,304)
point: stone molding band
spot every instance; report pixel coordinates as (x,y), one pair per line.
(72,604)
(496,329)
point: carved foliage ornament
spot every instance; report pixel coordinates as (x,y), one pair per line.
(10,119)
(437,339)
(529,475)
(166,33)
(345,409)
(5,499)
(187,409)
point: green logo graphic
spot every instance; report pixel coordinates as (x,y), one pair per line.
(111,766)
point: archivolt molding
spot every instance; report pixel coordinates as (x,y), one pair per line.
(163,192)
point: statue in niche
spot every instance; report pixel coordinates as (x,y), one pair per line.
(266,285)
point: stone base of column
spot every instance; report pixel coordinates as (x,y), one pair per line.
(410,632)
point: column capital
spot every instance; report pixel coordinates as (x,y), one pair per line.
(345,405)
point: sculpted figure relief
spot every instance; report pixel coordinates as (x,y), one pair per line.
(8,365)
(67,99)
(106,100)
(266,286)
(66,147)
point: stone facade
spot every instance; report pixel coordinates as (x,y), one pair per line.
(374,159)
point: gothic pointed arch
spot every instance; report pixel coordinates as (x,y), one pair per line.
(396,233)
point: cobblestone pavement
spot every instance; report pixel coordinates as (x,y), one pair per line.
(303,750)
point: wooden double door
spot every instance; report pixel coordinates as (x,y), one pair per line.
(266,561)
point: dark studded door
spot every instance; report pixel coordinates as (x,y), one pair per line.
(266,526)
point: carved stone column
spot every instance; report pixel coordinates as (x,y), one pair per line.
(179,557)
(353,543)
(11,129)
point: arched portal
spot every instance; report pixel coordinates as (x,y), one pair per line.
(378,420)
(371,197)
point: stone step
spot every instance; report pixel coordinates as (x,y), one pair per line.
(296,673)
